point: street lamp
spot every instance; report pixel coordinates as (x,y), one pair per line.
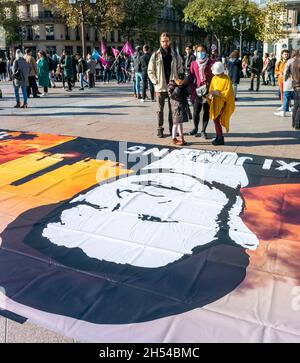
(22,33)
(82,19)
(241,25)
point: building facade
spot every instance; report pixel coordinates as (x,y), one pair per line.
(291,30)
(42,30)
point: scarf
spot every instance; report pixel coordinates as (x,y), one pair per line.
(202,63)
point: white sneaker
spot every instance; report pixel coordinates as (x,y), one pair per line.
(280,108)
(291,109)
(44,94)
(280,114)
(142,100)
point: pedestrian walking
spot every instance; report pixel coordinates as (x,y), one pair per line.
(188,59)
(138,71)
(164,66)
(91,71)
(178,93)
(3,70)
(271,69)
(264,73)
(221,99)
(81,68)
(256,66)
(199,80)
(32,75)
(279,72)
(144,61)
(245,66)
(234,71)
(68,69)
(43,72)
(295,69)
(20,74)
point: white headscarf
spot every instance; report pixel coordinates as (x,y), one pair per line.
(19,54)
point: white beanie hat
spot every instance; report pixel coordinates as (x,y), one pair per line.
(218,68)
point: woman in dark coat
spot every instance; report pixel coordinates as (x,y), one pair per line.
(234,70)
(178,93)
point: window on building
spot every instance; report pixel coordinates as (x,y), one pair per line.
(29,33)
(47,14)
(112,36)
(298,17)
(49,32)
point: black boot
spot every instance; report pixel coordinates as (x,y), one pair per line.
(194,132)
(160,133)
(218,141)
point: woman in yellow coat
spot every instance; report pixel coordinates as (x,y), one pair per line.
(221,99)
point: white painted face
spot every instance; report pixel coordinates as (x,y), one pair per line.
(151,220)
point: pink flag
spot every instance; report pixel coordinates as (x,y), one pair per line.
(128,49)
(103,61)
(116,52)
(103,48)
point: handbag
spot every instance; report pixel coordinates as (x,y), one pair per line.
(17,74)
(202,91)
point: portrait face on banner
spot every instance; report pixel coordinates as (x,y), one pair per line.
(140,245)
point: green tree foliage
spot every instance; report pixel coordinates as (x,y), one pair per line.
(270,21)
(215,16)
(9,20)
(139,16)
(105,15)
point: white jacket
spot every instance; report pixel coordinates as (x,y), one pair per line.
(156,71)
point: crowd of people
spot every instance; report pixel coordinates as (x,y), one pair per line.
(200,79)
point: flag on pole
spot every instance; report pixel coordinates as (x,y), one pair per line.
(116,52)
(128,49)
(97,56)
(103,48)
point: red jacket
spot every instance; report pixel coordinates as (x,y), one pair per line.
(194,77)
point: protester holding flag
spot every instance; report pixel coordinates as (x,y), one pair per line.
(107,69)
(164,66)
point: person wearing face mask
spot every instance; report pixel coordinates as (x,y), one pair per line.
(199,80)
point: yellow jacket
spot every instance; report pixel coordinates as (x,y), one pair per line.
(225,103)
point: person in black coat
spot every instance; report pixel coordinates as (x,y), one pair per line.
(178,91)
(234,70)
(144,63)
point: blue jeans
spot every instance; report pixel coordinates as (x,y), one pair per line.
(82,80)
(24,92)
(288,95)
(138,80)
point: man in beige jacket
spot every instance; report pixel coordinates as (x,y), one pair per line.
(32,75)
(164,66)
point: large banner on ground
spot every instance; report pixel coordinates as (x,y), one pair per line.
(111,242)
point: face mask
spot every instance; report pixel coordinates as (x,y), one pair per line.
(201,55)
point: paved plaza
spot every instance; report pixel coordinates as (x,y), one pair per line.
(110,112)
